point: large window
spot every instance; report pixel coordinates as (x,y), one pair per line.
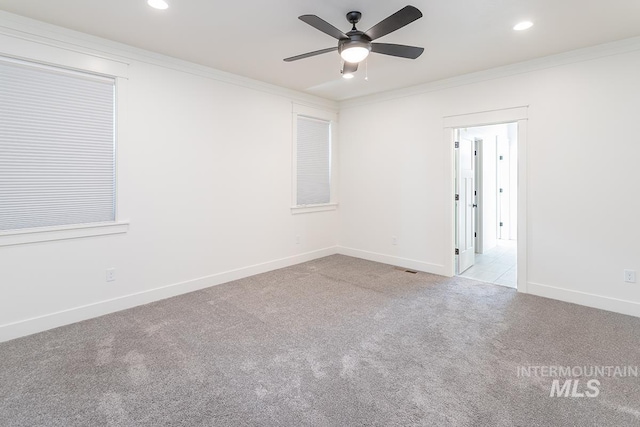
(313,160)
(57,147)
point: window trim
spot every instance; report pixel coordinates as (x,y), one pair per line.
(332,118)
(61,232)
(73,231)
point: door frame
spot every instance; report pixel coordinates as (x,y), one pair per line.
(518,115)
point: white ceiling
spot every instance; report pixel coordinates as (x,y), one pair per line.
(251,37)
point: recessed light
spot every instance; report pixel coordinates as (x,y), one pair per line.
(158,4)
(525,25)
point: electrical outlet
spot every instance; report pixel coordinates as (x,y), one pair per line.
(111,274)
(630,276)
(394,240)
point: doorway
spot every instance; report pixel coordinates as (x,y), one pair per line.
(486,201)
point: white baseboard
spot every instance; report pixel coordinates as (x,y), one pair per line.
(53,320)
(590,300)
(393,260)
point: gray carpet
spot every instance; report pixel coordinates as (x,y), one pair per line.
(333,342)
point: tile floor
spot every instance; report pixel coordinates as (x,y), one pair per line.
(497,265)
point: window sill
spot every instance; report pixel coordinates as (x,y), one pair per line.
(48,234)
(313,208)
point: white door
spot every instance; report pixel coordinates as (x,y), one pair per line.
(478,187)
(504,189)
(465,218)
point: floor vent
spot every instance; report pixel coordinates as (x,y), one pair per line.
(405,270)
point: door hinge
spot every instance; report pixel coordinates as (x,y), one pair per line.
(457,251)
(475,234)
(501,190)
(475,193)
(475,153)
(457,197)
(501,158)
(501,224)
(456,144)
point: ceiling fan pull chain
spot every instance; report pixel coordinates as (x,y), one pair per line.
(366,69)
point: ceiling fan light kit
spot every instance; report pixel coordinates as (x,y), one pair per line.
(354,52)
(348,68)
(355,45)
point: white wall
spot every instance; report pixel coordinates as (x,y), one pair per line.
(582,172)
(205,181)
(204,177)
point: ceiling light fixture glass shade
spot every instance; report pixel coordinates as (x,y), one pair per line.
(158,4)
(354,54)
(525,25)
(348,70)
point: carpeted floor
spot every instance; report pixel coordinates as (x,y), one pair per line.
(333,342)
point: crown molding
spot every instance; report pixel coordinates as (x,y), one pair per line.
(565,58)
(47,34)
(20,27)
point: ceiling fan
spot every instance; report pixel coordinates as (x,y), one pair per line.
(355,45)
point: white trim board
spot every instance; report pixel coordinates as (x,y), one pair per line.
(517,115)
(557,60)
(49,234)
(69,42)
(65,317)
(77,314)
(484,118)
(552,292)
(394,260)
(629,308)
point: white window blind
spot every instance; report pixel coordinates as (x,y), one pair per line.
(313,161)
(57,147)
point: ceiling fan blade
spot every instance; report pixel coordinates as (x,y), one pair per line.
(324,26)
(310,54)
(411,52)
(349,67)
(404,16)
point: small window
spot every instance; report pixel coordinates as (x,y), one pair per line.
(57,147)
(313,161)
